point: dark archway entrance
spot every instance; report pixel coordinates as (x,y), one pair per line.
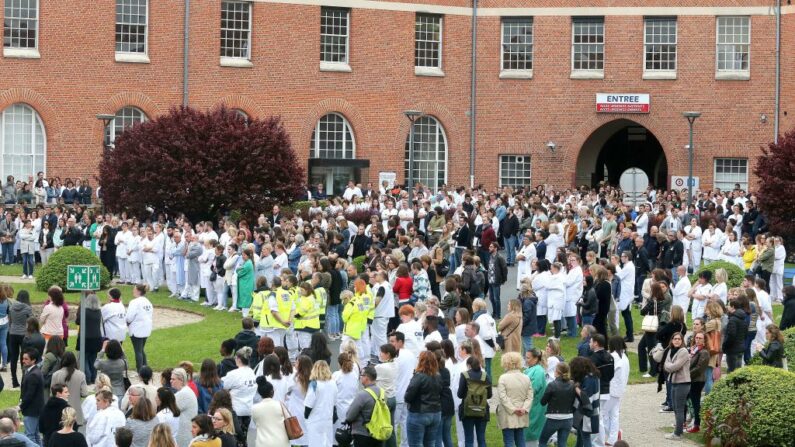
(617,146)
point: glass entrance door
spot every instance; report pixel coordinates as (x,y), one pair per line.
(334,178)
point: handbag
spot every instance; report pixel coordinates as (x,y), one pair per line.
(291,425)
(651,322)
(126,378)
(714,342)
(343,436)
(657,353)
(501,340)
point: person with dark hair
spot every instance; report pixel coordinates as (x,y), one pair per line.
(115,366)
(31,393)
(618,386)
(167,410)
(238,383)
(53,355)
(247,337)
(114,317)
(74,379)
(318,348)
(586,380)
(203,432)
(474,424)
(677,365)
(123,437)
(209,384)
(788,315)
(53,314)
(50,419)
(141,422)
(603,362)
(735,334)
(268,416)
(228,361)
(361,408)
(18,314)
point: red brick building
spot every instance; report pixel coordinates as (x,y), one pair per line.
(341,73)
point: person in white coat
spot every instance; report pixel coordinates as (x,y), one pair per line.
(556,297)
(777,277)
(525,258)
(134,257)
(139,320)
(230,277)
(187,404)
(487,332)
(384,310)
(540,279)
(553,241)
(681,289)
(618,386)
(320,401)
(731,250)
(206,260)
(169,263)
(121,240)
(574,286)
(625,271)
(700,293)
(101,429)
(712,240)
(407,362)
(240,383)
(347,380)
(151,252)
(693,234)
(114,317)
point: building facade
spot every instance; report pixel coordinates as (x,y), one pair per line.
(566,92)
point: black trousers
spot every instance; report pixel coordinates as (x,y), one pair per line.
(139,344)
(647,342)
(14,355)
(366,441)
(627,314)
(695,399)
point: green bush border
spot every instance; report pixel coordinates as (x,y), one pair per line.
(54,271)
(736,274)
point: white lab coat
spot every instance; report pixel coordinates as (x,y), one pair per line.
(101,430)
(241,384)
(574,285)
(540,282)
(556,297)
(680,291)
(700,305)
(139,317)
(114,321)
(712,242)
(627,276)
(523,268)
(488,331)
(321,397)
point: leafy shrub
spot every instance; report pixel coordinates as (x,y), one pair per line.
(54,271)
(301,208)
(359,263)
(789,348)
(736,274)
(359,217)
(769,392)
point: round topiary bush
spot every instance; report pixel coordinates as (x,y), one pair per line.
(736,274)
(54,272)
(789,348)
(754,402)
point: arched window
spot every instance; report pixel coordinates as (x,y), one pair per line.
(333,138)
(23,143)
(430,153)
(125,117)
(241,114)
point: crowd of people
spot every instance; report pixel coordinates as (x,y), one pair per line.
(413,291)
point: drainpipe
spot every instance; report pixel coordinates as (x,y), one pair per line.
(778,71)
(472,95)
(185,50)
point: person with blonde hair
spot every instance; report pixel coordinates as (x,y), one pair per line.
(510,327)
(320,400)
(224,425)
(720,291)
(487,331)
(559,398)
(773,353)
(101,427)
(187,404)
(712,329)
(516,397)
(161,436)
(67,436)
(552,357)
(536,372)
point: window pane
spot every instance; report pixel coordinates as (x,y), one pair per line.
(334,35)
(730,171)
(733,43)
(514,170)
(22,142)
(660,44)
(588,44)
(236,29)
(517,44)
(428,41)
(20,23)
(125,118)
(333,138)
(430,153)
(131,26)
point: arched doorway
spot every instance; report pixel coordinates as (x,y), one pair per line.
(617,146)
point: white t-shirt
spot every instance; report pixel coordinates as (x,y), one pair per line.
(114,321)
(414,336)
(407,362)
(386,308)
(242,385)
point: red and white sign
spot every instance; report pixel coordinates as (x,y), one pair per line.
(622,102)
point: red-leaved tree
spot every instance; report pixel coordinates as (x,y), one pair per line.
(776,171)
(201,164)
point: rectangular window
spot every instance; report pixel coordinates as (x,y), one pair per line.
(729,171)
(733,44)
(21,24)
(660,44)
(131,21)
(514,170)
(334,33)
(588,44)
(428,41)
(236,30)
(517,44)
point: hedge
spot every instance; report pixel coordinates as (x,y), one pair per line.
(768,394)
(54,271)
(789,348)
(736,274)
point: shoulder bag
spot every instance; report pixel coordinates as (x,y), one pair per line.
(291,424)
(126,378)
(651,322)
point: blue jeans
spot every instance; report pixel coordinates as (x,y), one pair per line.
(453,260)
(479,427)
(333,319)
(560,426)
(488,368)
(527,343)
(748,341)
(494,297)
(510,249)
(8,252)
(587,319)
(32,427)
(709,382)
(28,261)
(513,437)
(4,343)
(445,438)
(571,324)
(423,428)
(459,251)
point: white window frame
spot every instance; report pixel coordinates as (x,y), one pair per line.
(422,70)
(732,74)
(654,73)
(134,57)
(36,121)
(715,181)
(516,158)
(341,66)
(109,133)
(347,129)
(24,52)
(441,135)
(588,73)
(237,61)
(516,73)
